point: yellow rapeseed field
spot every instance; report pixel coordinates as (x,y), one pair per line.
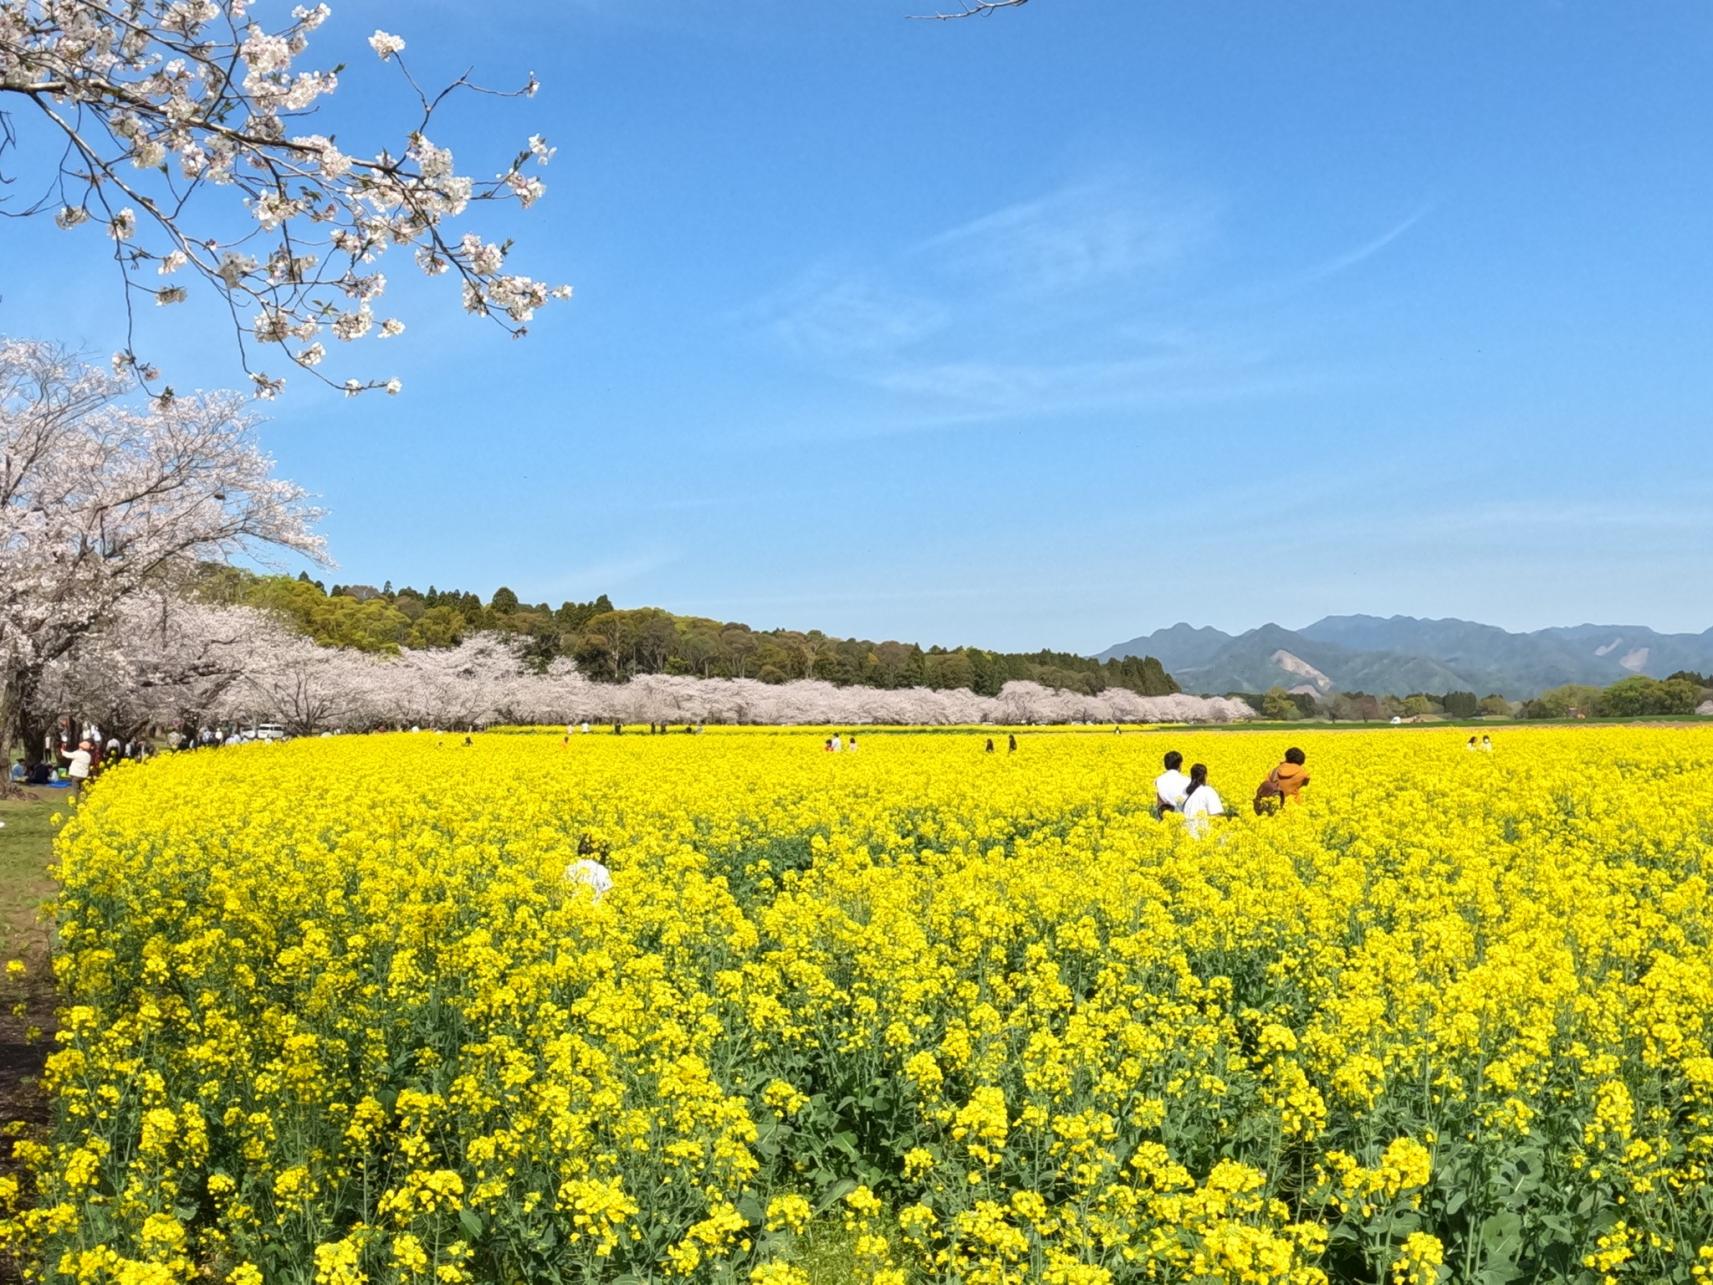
(333,1013)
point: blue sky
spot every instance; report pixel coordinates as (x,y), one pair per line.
(1045,329)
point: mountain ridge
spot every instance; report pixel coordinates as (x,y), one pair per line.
(1396,655)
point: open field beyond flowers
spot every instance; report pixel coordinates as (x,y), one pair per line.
(332,1013)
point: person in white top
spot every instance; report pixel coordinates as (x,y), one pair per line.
(592,875)
(77,764)
(1170,786)
(1201,801)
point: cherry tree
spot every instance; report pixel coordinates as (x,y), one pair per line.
(160,658)
(101,502)
(188,133)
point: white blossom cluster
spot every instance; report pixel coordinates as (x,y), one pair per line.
(160,103)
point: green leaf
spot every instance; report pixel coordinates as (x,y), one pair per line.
(835,1193)
(472,1222)
(1501,1239)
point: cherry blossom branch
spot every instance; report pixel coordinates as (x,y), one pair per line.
(199,84)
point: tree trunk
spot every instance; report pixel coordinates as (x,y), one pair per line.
(18,730)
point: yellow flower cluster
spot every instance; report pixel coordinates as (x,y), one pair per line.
(334,1012)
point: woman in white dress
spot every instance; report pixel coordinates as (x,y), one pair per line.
(1201,801)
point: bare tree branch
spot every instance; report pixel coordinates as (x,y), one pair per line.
(970,9)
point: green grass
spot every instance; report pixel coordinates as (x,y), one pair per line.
(26,847)
(26,1006)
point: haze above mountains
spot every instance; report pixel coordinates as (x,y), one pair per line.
(1398,655)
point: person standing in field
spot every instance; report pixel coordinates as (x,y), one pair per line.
(77,765)
(1487,744)
(1200,802)
(1171,785)
(1011,743)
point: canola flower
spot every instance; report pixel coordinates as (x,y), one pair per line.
(333,1014)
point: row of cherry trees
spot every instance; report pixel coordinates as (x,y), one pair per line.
(108,507)
(167,660)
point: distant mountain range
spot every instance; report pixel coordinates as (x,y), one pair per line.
(1397,655)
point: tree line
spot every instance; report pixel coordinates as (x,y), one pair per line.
(1638,696)
(1681,693)
(610,644)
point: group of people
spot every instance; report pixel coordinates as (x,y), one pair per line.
(837,744)
(1485,745)
(1194,798)
(79,755)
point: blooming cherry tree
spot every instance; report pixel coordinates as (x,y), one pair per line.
(184,133)
(101,502)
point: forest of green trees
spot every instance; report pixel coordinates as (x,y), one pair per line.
(613,644)
(1636,697)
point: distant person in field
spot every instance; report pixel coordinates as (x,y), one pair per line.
(851,746)
(1472,745)
(1200,802)
(1487,744)
(836,743)
(1283,783)
(1011,743)
(1171,785)
(592,875)
(989,745)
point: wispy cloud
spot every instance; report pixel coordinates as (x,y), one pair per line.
(840,313)
(1075,238)
(1348,259)
(609,573)
(1088,297)
(975,389)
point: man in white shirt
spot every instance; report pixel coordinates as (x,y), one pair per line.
(1171,785)
(77,765)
